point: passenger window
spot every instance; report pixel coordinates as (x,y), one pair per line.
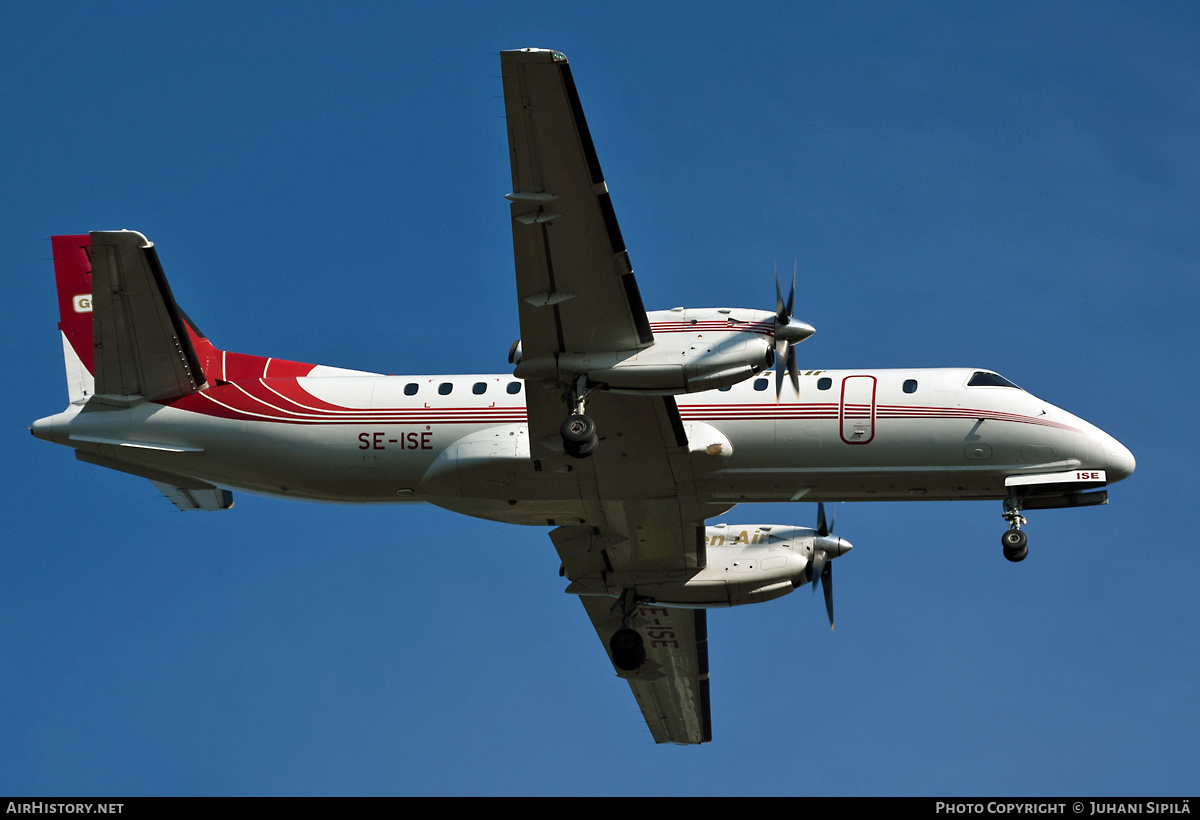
(410,389)
(824,383)
(444,388)
(479,388)
(726,388)
(910,385)
(513,387)
(761,384)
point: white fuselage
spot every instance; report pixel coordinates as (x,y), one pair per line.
(461,442)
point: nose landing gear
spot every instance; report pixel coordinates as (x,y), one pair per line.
(1016,545)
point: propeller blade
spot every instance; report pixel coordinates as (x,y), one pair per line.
(792,293)
(826,546)
(783,352)
(780,316)
(827,588)
(819,564)
(788,332)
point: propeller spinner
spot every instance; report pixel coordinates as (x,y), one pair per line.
(789,332)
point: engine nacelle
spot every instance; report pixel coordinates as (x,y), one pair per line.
(694,349)
(746,564)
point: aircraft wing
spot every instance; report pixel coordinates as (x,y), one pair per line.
(575,285)
(577,295)
(671,687)
(642,516)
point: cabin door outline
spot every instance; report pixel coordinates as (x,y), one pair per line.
(856,411)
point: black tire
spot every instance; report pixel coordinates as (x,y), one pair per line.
(1016,545)
(1013,539)
(579,436)
(578,429)
(1016,556)
(628,651)
(587,449)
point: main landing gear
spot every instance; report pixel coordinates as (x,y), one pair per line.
(628,651)
(626,646)
(579,431)
(1016,545)
(579,435)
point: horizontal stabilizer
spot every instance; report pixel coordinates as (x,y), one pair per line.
(188,499)
(142,348)
(185,493)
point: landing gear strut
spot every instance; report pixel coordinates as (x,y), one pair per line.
(579,431)
(1016,545)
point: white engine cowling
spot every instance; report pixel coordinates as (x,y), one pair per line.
(694,350)
(746,564)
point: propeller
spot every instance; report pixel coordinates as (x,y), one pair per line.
(788,332)
(826,546)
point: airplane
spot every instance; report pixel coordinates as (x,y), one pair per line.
(623,430)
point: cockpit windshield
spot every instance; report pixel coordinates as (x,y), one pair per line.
(982,378)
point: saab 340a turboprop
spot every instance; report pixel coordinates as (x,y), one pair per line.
(623,430)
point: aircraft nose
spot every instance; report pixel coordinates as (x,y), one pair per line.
(1119,462)
(1116,460)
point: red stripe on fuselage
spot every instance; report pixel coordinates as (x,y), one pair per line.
(286,400)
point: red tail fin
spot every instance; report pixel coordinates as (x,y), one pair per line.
(148,348)
(73,273)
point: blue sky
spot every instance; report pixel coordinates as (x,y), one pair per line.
(1011,186)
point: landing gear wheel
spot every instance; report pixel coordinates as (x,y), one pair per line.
(628,651)
(1016,545)
(579,436)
